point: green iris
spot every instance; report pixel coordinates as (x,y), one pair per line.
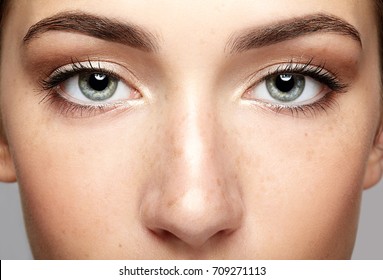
(285,87)
(97,86)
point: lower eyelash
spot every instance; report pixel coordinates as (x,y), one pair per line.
(68,108)
(328,102)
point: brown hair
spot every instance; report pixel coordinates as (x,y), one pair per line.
(3,8)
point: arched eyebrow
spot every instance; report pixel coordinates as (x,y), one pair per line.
(290,29)
(96,26)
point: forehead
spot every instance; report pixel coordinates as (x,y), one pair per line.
(198,18)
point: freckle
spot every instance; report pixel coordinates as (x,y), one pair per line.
(177,153)
(238,160)
(309,155)
(306,134)
(171,202)
(80,151)
(267,178)
(219,182)
(119,245)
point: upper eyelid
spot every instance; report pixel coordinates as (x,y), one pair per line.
(323,75)
(78,66)
(111,68)
(307,70)
(291,67)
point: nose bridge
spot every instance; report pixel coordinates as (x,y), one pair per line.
(192,202)
(191,136)
(191,155)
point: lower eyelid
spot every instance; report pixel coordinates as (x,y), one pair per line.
(64,107)
(325,104)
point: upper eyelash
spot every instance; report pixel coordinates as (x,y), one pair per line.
(308,69)
(77,67)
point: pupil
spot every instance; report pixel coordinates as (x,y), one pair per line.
(98,82)
(285,83)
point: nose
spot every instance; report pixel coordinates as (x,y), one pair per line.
(192,196)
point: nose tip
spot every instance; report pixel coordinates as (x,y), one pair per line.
(194,217)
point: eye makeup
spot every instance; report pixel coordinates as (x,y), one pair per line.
(54,95)
(289,76)
(85,89)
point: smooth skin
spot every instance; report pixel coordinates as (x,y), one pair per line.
(194,167)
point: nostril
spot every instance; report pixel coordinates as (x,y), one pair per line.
(194,238)
(161,233)
(222,234)
(164,235)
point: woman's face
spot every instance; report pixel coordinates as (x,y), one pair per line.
(194,129)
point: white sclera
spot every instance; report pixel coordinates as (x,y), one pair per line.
(312,92)
(73,92)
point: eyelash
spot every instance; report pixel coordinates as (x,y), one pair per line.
(319,74)
(66,107)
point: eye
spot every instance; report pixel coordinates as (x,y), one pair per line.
(86,89)
(95,88)
(288,90)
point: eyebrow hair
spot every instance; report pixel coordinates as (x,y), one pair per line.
(96,26)
(290,29)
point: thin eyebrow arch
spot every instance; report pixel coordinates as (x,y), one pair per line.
(290,29)
(95,26)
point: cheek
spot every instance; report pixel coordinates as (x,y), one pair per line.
(69,190)
(302,179)
(79,183)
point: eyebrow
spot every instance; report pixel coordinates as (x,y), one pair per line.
(290,29)
(96,26)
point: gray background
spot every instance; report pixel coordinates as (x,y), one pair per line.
(14,244)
